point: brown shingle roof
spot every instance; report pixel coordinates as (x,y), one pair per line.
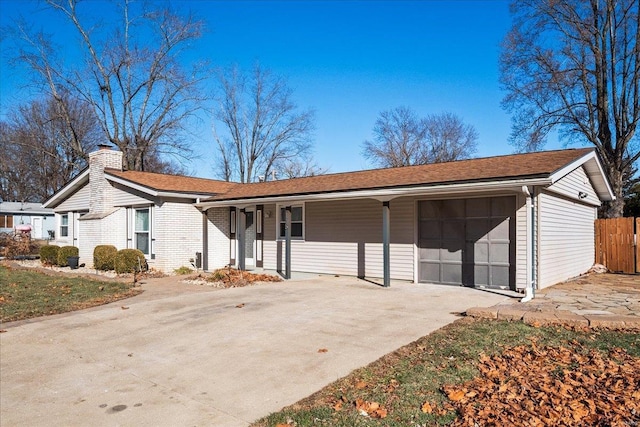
(530,165)
(173,183)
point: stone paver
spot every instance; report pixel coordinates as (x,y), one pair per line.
(596,300)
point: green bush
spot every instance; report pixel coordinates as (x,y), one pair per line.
(104,257)
(65,252)
(49,254)
(130,261)
(183,270)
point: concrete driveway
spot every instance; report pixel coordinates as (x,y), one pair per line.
(197,356)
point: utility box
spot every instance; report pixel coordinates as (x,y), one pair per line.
(198,259)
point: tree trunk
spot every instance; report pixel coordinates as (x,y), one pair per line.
(615,208)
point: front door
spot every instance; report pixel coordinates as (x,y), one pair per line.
(36,227)
(250,239)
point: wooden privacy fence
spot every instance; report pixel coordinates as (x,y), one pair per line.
(616,246)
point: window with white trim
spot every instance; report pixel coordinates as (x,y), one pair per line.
(297,222)
(64,225)
(142,230)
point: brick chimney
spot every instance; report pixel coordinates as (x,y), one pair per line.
(101,197)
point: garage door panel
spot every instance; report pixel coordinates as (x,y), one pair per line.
(430,272)
(478,208)
(430,229)
(453,208)
(481,275)
(452,273)
(430,253)
(500,275)
(481,252)
(453,253)
(477,228)
(503,206)
(453,230)
(499,253)
(499,229)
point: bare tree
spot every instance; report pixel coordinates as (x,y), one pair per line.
(574,66)
(45,143)
(130,75)
(258,124)
(298,167)
(401,138)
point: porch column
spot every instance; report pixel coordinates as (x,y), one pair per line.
(242,225)
(259,236)
(386,225)
(205,241)
(232,235)
(287,240)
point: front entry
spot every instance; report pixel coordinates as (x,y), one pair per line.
(467,242)
(250,239)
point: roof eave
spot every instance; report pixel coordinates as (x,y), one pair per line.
(154,192)
(386,194)
(595,172)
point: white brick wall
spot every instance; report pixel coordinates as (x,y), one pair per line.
(218,231)
(178,235)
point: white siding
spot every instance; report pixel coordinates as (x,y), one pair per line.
(127,198)
(218,235)
(177,229)
(345,237)
(574,183)
(565,239)
(78,201)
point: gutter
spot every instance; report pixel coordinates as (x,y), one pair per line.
(377,193)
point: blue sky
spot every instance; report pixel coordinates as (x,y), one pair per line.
(346,60)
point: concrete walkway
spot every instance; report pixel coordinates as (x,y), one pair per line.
(187,355)
(595,300)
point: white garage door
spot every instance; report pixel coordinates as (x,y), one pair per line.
(467,242)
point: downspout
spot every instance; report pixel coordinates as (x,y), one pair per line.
(529,290)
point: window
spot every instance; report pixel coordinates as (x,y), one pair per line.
(64,225)
(6,221)
(297,222)
(141,230)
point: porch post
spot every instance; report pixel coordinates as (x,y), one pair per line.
(242,224)
(386,268)
(287,239)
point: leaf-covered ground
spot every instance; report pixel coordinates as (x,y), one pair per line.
(26,293)
(482,372)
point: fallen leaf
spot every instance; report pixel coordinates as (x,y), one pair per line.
(124,307)
(240,305)
(337,406)
(360,385)
(456,395)
(322,350)
(2,331)
(427,408)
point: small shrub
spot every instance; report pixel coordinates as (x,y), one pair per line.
(49,254)
(104,257)
(65,252)
(183,270)
(14,248)
(129,261)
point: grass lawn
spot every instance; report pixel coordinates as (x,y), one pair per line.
(482,372)
(25,294)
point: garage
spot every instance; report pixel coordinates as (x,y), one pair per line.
(469,242)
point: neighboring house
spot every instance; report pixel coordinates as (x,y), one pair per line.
(16,214)
(505,222)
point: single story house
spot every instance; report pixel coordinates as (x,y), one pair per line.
(13,215)
(517,222)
